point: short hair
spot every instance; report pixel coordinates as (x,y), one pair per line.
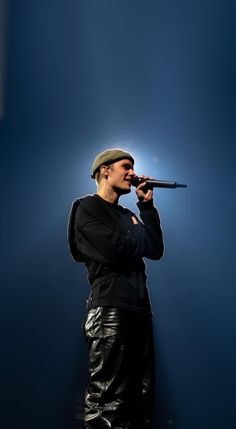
(97,177)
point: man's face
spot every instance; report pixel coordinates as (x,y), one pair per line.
(120,175)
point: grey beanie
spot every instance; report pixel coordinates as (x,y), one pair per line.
(109,156)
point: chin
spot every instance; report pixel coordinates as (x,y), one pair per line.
(125,191)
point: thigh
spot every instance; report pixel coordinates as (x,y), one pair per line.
(114,392)
(109,354)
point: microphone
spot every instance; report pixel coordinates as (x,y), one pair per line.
(153,183)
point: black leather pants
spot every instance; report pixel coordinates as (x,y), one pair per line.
(120,392)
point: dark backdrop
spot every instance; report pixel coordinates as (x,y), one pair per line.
(156,78)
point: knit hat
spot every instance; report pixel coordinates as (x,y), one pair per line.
(108,157)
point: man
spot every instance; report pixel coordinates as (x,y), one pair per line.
(111,241)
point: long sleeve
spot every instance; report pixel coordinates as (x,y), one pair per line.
(151,220)
(141,240)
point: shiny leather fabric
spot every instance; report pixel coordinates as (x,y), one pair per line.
(121,364)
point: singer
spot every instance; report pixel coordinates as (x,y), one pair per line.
(112,241)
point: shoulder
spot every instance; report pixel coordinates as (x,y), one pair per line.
(90,207)
(77,202)
(90,203)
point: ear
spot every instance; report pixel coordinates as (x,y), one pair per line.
(104,169)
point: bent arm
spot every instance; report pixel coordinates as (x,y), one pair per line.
(142,239)
(151,221)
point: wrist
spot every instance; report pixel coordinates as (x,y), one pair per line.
(145,205)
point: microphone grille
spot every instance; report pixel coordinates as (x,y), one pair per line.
(136,181)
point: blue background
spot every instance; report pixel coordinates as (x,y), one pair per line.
(158,79)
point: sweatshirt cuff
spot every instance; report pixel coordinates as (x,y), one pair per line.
(145,205)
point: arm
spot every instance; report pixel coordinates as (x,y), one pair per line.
(150,219)
(101,241)
(111,244)
(151,222)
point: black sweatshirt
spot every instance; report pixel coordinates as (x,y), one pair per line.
(104,237)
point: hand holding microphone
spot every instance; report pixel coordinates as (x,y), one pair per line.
(143,192)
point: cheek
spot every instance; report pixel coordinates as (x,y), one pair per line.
(115,178)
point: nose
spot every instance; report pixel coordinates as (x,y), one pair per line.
(132,172)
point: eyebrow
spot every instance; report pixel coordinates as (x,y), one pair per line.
(127,164)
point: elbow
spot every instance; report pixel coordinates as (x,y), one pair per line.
(157,253)
(160,254)
(161,250)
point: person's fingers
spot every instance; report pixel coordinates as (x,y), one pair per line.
(149,194)
(141,185)
(134,219)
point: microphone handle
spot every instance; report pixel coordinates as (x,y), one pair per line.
(153,183)
(165,184)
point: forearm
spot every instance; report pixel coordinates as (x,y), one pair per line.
(111,243)
(151,221)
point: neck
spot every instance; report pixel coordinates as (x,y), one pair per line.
(110,196)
